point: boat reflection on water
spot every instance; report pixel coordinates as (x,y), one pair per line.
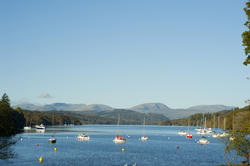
(6,150)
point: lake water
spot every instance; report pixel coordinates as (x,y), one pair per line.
(160,149)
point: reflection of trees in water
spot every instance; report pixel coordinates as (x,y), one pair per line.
(6,151)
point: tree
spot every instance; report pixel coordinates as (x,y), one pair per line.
(229,150)
(246,35)
(5,101)
(11,121)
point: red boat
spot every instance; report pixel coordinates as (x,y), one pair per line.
(189,135)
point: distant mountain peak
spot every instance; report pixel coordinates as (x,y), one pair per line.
(216,107)
(157,107)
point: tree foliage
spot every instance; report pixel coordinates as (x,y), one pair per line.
(11,121)
(5,101)
(246,35)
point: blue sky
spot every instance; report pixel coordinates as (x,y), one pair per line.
(123,53)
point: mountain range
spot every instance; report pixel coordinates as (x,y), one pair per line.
(157,108)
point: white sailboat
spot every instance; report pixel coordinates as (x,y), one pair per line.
(231,138)
(204,130)
(52,139)
(144,138)
(217,135)
(224,134)
(203,140)
(119,139)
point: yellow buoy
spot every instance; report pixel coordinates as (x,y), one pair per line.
(40,159)
(55,149)
(123,149)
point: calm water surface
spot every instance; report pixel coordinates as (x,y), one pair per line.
(160,149)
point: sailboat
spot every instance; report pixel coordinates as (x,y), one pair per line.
(205,130)
(224,134)
(144,138)
(216,135)
(119,139)
(52,139)
(189,135)
(231,138)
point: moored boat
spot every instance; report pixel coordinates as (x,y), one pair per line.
(27,128)
(189,135)
(144,138)
(119,139)
(182,132)
(83,137)
(52,140)
(40,128)
(203,141)
(216,135)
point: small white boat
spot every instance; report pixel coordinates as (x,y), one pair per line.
(119,139)
(203,141)
(182,133)
(198,129)
(204,131)
(27,128)
(144,138)
(216,135)
(40,128)
(83,137)
(52,140)
(224,134)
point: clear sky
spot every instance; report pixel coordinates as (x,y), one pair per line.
(123,52)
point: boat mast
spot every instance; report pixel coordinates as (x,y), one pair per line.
(224,123)
(214,121)
(144,122)
(118,121)
(205,124)
(218,122)
(233,123)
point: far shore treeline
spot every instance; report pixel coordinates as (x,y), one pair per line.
(91,117)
